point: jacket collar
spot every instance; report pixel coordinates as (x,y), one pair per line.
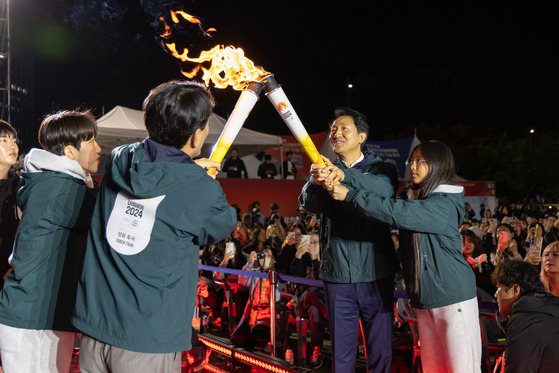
(157,152)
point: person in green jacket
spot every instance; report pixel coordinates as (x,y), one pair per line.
(438,280)
(357,256)
(57,199)
(156,206)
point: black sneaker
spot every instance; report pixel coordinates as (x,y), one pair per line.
(316,358)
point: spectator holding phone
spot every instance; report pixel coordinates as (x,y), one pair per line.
(311,299)
(438,280)
(506,248)
(478,260)
(254,326)
(289,247)
(552,234)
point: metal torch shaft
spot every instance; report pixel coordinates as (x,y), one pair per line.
(243,107)
(280,101)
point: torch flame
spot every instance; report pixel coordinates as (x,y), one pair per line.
(228,65)
(191,19)
(167,32)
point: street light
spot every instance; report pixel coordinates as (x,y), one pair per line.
(349,86)
(531,132)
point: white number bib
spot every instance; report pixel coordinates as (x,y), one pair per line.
(131,222)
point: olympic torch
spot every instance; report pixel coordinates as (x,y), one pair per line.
(248,98)
(280,101)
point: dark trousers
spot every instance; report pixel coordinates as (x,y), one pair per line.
(373,303)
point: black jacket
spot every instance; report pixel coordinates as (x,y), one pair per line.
(532,335)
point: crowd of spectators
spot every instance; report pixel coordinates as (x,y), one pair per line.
(289,245)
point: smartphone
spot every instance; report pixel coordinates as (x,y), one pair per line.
(536,244)
(291,236)
(513,220)
(230,249)
(306,239)
(277,222)
(502,241)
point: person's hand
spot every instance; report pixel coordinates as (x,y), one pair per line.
(206,164)
(317,175)
(252,257)
(499,257)
(513,247)
(533,257)
(314,251)
(302,249)
(338,192)
(493,225)
(228,256)
(335,174)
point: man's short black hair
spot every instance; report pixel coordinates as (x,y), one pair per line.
(65,128)
(358,118)
(517,272)
(173,111)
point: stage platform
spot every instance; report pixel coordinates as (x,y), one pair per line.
(227,358)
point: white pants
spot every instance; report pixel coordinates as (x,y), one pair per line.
(450,338)
(32,351)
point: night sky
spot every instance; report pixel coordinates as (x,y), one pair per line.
(489,64)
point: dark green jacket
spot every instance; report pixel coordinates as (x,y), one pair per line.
(48,251)
(139,292)
(445,277)
(354,248)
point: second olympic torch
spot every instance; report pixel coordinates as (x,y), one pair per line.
(245,103)
(280,101)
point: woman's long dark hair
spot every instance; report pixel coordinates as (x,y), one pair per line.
(441,166)
(441,171)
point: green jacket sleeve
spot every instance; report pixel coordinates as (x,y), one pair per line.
(428,216)
(220,219)
(384,180)
(314,198)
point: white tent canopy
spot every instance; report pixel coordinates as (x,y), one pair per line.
(123,125)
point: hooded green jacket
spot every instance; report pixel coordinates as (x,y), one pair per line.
(354,248)
(49,245)
(445,276)
(138,286)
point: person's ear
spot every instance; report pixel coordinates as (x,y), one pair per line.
(515,290)
(197,139)
(362,137)
(71,152)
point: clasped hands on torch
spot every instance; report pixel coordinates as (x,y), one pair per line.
(330,178)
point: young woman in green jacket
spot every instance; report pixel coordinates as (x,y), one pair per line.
(438,280)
